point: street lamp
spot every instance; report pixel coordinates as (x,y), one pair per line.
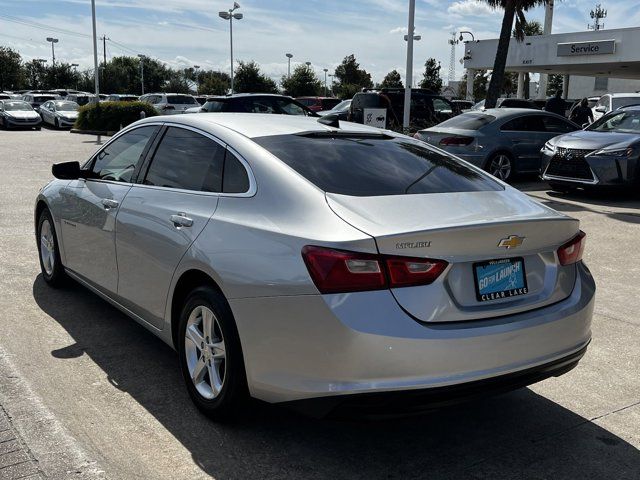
(75,72)
(289,57)
(196,68)
(53,50)
(308,64)
(229,15)
(473,38)
(142,57)
(325,70)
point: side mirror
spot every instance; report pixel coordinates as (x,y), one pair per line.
(66,170)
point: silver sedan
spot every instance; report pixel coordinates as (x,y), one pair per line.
(295,260)
(503,141)
(59,113)
(18,114)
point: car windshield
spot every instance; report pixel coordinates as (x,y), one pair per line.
(619,102)
(17,107)
(43,98)
(468,121)
(67,106)
(373,165)
(621,122)
(181,100)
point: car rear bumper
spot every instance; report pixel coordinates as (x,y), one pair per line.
(304,347)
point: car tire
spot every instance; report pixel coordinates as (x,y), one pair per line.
(501,166)
(48,251)
(56,124)
(38,128)
(211,355)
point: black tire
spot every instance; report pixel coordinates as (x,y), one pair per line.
(501,165)
(233,395)
(38,128)
(56,124)
(54,275)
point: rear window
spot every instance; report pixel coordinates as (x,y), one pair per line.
(213,106)
(368,165)
(329,103)
(181,100)
(468,121)
(366,100)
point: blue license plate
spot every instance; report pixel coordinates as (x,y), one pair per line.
(499,279)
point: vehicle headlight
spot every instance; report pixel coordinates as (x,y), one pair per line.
(550,148)
(619,152)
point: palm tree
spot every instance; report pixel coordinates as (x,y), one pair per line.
(513,9)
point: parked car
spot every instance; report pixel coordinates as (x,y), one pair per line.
(502,141)
(18,113)
(253,103)
(82,98)
(316,104)
(118,97)
(63,92)
(341,110)
(427,108)
(37,99)
(59,113)
(605,154)
(170,103)
(462,105)
(613,101)
(510,103)
(285,259)
(5,96)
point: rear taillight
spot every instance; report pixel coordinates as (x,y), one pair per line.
(339,271)
(456,141)
(571,252)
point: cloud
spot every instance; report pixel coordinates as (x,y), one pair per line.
(399,30)
(470,8)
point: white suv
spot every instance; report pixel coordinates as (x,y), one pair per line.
(614,101)
(170,103)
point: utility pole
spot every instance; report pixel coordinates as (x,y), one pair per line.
(409,73)
(104,48)
(96,77)
(596,15)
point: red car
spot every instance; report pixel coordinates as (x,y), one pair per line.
(317,104)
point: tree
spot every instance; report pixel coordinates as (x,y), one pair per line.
(513,9)
(11,72)
(61,76)
(392,80)
(303,81)
(213,83)
(554,84)
(351,78)
(177,83)
(480,81)
(36,73)
(249,79)
(431,79)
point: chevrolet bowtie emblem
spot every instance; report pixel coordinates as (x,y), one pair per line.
(513,241)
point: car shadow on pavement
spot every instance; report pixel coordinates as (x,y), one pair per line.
(518,435)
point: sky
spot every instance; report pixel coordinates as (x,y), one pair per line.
(184,33)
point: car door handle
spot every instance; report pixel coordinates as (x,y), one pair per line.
(109,203)
(181,220)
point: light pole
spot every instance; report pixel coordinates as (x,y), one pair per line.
(53,50)
(409,76)
(331,76)
(289,57)
(325,70)
(75,72)
(308,64)
(96,74)
(142,57)
(229,15)
(196,68)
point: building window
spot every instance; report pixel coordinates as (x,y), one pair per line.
(602,83)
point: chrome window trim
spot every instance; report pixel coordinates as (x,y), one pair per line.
(253,188)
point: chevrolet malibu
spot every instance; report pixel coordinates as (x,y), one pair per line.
(319,263)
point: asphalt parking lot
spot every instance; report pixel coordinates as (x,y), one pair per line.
(87,393)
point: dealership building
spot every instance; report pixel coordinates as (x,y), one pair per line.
(592,62)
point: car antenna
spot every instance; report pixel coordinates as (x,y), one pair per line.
(330,120)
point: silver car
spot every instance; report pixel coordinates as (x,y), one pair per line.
(59,113)
(170,103)
(503,141)
(293,261)
(17,113)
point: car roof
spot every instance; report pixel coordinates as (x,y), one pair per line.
(254,125)
(623,95)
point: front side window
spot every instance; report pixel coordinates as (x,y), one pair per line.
(374,165)
(118,160)
(187,160)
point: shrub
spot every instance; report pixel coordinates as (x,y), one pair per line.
(110,116)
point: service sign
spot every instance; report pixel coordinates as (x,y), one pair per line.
(576,49)
(375,117)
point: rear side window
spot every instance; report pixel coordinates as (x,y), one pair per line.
(468,121)
(557,125)
(187,160)
(235,178)
(528,123)
(374,165)
(181,100)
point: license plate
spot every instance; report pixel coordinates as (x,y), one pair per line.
(499,279)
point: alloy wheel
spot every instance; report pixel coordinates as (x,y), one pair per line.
(500,167)
(205,352)
(47,247)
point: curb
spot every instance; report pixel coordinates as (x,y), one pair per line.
(93,132)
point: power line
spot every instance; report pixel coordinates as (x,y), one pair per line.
(41,26)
